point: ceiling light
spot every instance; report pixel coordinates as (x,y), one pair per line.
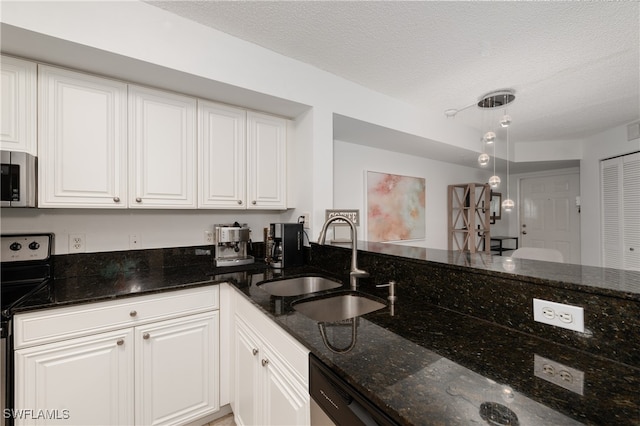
(494,181)
(483,159)
(505,120)
(489,137)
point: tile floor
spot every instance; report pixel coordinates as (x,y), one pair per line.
(223,421)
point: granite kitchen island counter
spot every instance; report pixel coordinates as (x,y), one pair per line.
(426,365)
(460,346)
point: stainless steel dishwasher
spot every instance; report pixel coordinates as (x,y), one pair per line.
(344,405)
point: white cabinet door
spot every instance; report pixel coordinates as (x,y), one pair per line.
(18,113)
(221,156)
(84,381)
(82,140)
(266,161)
(270,385)
(286,401)
(177,375)
(247,391)
(162,143)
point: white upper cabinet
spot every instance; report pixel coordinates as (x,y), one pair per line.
(162,144)
(221,156)
(105,144)
(82,143)
(18,113)
(242,158)
(266,161)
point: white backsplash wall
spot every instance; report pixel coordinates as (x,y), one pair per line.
(109,230)
(351,160)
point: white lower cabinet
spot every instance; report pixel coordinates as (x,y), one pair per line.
(161,372)
(271,386)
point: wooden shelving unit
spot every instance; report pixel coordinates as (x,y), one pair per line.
(469,217)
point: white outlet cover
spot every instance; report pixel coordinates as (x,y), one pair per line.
(556,314)
(558,374)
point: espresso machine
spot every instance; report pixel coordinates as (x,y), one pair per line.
(287,245)
(231,241)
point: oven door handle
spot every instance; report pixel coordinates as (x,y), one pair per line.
(8,312)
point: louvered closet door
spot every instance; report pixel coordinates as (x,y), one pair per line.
(620,190)
(631,211)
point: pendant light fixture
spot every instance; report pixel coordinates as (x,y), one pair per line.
(492,100)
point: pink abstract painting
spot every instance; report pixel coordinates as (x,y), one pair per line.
(395,207)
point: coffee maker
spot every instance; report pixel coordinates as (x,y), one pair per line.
(287,244)
(231,241)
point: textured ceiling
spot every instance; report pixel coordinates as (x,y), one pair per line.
(575,66)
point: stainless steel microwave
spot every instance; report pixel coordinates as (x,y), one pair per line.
(18,180)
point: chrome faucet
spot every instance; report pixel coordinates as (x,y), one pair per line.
(355,273)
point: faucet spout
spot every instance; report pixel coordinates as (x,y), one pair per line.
(355,273)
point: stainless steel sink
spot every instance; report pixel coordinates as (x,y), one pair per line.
(337,306)
(298,286)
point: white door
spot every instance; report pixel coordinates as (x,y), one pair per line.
(620,191)
(266,161)
(82,140)
(18,111)
(177,369)
(286,402)
(549,217)
(247,392)
(84,381)
(221,156)
(162,145)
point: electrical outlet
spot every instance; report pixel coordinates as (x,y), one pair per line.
(559,315)
(208,236)
(307,220)
(134,241)
(558,374)
(77,243)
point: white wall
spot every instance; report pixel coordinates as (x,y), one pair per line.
(350,162)
(109,230)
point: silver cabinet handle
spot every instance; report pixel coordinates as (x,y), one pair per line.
(265,362)
(138,200)
(254,202)
(120,342)
(255,351)
(116,199)
(145,336)
(133,313)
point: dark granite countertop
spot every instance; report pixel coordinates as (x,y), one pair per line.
(425,365)
(605,281)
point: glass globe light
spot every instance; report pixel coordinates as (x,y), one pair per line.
(483,159)
(508,264)
(489,137)
(494,181)
(505,121)
(508,205)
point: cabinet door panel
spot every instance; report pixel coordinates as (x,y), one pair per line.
(18,113)
(162,149)
(286,401)
(222,156)
(89,377)
(246,406)
(266,162)
(82,140)
(177,369)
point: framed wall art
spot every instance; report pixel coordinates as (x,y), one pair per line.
(395,207)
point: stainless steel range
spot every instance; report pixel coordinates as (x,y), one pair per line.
(26,270)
